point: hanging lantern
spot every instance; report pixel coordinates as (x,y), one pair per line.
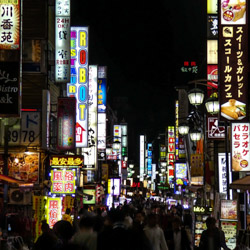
(183,129)
(195,135)
(212,105)
(196,96)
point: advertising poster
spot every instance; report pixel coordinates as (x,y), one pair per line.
(228,210)
(230,230)
(199,227)
(181,173)
(66,117)
(233,60)
(10,24)
(9,89)
(240,145)
(89,196)
(24,167)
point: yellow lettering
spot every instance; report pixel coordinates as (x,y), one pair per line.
(82,38)
(82,75)
(82,111)
(73,52)
(72,89)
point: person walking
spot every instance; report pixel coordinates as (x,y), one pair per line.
(178,238)
(155,234)
(212,238)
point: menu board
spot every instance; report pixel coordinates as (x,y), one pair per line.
(24,167)
(229,209)
(199,227)
(230,230)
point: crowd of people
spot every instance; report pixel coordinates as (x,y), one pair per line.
(128,227)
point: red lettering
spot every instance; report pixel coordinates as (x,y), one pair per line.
(82,57)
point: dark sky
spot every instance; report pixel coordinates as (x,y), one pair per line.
(144,44)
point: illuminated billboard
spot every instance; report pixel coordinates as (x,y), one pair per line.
(142,156)
(90,153)
(78,86)
(171,152)
(66,161)
(212,51)
(53,210)
(62,41)
(240,147)
(114,186)
(63,181)
(10,24)
(66,116)
(233,60)
(181,173)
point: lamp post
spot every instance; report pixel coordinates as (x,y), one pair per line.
(196,98)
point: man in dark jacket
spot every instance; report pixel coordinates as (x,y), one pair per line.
(212,238)
(177,238)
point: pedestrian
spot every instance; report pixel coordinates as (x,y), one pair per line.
(177,238)
(86,237)
(212,238)
(67,216)
(47,240)
(155,234)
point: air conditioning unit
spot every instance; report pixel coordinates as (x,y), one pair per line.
(18,197)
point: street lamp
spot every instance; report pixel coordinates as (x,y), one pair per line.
(196,96)
(183,128)
(212,105)
(195,135)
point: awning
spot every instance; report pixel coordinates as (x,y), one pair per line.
(242,184)
(9,179)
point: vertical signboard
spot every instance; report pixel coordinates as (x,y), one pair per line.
(150,158)
(90,153)
(117,132)
(53,210)
(240,147)
(66,116)
(142,156)
(62,41)
(10,24)
(171,153)
(9,89)
(78,86)
(233,59)
(222,167)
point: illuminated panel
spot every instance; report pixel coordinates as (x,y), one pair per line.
(101,131)
(181,173)
(90,153)
(10,24)
(66,115)
(116,183)
(212,6)
(142,156)
(150,158)
(53,210)
(240,145)
(63,161)
(63,181)
(62,41)
(171,153)
(222,167)
(89,196)
(78,86)
(212,52)
(177,130)
(117,132)
(233,61)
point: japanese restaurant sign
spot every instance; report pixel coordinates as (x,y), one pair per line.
(62,41)
(53,210)
(240,145)
(79,82)
(63,181)
(233,59)
(66,161)
(230,230)
(10,24)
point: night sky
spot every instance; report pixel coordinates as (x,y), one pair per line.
(144,45)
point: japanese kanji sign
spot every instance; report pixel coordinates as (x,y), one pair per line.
(10,24)
(233,60)
(53,211)
(66,161)
(62,41)
(63,181)
(240,147)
